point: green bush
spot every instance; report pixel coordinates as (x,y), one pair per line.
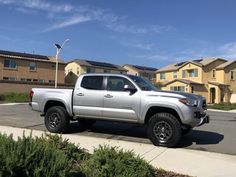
(47,156)
(14,97)
(2,97)
(52,156)
(223,106)
(113,162)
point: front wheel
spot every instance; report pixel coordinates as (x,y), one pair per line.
(164,129)
(56,119)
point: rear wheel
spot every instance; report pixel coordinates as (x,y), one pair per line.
(164,129)
(56,119)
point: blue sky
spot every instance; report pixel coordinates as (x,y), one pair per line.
(143,32)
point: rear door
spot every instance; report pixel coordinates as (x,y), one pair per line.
(118,103)
(88,97)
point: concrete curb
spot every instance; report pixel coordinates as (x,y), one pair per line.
(191,162)
(217,110)
(12,104)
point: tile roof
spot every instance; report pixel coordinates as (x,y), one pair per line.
(84,62)
(207,61)
(223,65)
(199,62)
(183,81)
(218,83)
(142,68)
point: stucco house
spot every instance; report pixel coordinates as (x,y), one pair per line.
(80,66)
(142,71)
(213,78)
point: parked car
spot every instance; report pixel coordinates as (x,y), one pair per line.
(127,98)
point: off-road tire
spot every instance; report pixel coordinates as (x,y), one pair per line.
(57,119)
(163,129)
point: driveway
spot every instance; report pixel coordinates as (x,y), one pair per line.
(218,136)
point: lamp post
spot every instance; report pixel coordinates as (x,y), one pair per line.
(59,48)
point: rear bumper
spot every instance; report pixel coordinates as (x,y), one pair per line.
(204,120)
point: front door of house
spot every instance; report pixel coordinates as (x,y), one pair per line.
(213,94)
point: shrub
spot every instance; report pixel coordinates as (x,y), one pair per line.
(28,157)
(113,162)
(2,97)
(14,97)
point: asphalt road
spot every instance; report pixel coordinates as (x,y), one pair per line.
(218,136)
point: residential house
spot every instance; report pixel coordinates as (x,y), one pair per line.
(213,78)
(78,66)
(25,68)
(142,71)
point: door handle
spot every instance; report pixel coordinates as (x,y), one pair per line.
(108,96)
(80,94)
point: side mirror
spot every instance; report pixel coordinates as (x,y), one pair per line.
(129,88)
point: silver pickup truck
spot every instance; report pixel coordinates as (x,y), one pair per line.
(127,98)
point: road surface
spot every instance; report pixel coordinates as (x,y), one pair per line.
(218,136)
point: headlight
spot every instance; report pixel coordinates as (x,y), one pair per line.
(189,102)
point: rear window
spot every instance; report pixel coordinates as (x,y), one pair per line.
(92,82)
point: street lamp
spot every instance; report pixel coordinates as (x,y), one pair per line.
(59,48)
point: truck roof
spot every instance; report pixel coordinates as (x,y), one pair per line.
(104,74)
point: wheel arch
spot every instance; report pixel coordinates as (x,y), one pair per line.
(52,103)
(158,109)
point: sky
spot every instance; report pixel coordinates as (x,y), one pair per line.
(151,33)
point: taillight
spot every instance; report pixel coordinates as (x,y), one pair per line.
(31,93)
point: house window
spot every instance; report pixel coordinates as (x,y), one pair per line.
(51,81)
(41,81)
(162,76)
(9,78)
(232,75)
(183,73)
(213,73)
(193,73)
(178,88)
(10,64)
(90,70)
(32,66)
(175,74)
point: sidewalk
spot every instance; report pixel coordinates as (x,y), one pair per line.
(191,162)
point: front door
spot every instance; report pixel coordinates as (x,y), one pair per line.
(213,95)
(118,103)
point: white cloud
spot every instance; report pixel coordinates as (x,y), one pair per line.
(46,6)
(7,1)
(134,29)
(65,14)
(138,45)
(70,21)
(39,5)
(228,50)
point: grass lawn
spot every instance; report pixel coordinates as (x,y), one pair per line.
(14,97)
(223,106)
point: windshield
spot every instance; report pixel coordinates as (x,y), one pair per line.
(143,84)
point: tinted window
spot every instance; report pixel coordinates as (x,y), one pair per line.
(143,84)
(9,63)
(92,82)
(115,83)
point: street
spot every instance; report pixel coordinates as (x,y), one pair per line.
(218,136)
